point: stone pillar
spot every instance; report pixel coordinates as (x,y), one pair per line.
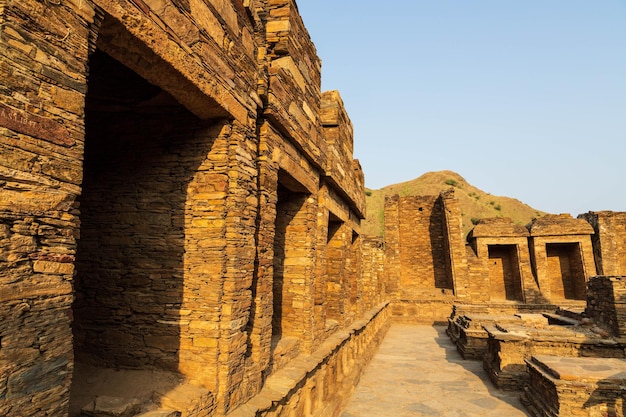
(392,246)
(456,245)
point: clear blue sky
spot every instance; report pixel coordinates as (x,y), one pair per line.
(523,98)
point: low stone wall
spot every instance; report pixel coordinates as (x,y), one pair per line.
(422,311)
(606,303)
(319,384)
(575,387)
(469,336)
(512,308)
(466,326)
(509,346)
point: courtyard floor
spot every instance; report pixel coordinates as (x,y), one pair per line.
(418,372)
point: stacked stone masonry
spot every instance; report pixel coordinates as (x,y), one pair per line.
(179,198)
(564,386)
(548,262)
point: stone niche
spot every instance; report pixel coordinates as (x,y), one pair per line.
(502,248)
(562,256)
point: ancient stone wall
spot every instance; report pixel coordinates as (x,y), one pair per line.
(422,254)
(43,67)
(428,267)
(178,195)
(562,256)
(319,385)
(502,248)
(455,244)
(339,136)
(178,190)
(373,272)
(609,241)
(420,246)
(606,303)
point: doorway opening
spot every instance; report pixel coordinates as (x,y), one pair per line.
(505,281)
(565,271)
(142,151)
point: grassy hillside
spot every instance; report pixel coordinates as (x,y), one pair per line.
(475,203)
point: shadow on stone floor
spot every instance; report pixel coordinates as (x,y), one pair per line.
(475,367)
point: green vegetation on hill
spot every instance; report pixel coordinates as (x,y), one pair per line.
(475,204)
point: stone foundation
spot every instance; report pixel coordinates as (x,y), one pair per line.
(510,345)
(466,325)
(606,303)
(581,387)
(469,335)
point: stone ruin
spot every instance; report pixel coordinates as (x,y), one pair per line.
(180,231)
(530,301)
(180,211)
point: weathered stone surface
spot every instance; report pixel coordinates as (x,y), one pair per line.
(563,256)
(177,194)
(606,303)
(575,386)
(511,344)
(423,242)
(105,406)
(503,257)
(609,241)
(160,413)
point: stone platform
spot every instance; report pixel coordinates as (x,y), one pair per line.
(467,322)
(566,386)
(469,332)
(510,345)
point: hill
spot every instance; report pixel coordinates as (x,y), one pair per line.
(475,204)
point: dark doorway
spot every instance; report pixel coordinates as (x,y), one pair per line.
(565,271)
(335,269)
(504,277)
(142,149)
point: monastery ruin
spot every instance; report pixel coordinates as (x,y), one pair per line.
(179,205)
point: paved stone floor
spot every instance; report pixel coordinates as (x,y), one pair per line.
(418,372)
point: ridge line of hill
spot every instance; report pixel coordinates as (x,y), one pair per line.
(475,203)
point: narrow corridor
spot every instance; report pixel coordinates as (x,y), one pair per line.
(418,372)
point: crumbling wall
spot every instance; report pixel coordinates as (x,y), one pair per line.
(609,240)
(43,61)
(455,245)
(606,303)
(422,255)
